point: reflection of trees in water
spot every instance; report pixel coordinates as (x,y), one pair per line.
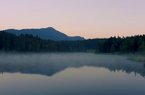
(50,69)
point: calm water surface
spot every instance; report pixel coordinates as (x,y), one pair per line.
(70,74)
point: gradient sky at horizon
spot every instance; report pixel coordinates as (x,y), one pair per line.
(88,18)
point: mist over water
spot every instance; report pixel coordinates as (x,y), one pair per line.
(51,63)
(70,74)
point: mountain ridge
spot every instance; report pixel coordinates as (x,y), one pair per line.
(48,33)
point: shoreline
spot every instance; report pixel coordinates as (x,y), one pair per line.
(137,58)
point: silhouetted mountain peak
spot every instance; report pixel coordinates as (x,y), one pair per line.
(48,33)
(50,28)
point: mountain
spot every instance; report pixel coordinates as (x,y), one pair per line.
(46,34)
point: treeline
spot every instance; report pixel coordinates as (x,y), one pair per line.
(28,43)
(134,44)
(23,43)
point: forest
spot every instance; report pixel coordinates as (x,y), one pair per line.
(27,43)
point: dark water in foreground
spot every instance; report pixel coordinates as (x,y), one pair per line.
(70,74)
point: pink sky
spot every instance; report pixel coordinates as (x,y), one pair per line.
(88,18)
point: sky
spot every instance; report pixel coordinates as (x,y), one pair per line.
(87,18)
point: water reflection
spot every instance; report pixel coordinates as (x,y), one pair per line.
(50,64)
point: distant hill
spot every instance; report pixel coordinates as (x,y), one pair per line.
(46,34)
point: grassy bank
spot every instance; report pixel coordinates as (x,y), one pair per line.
(137,57)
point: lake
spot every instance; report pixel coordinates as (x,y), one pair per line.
(70,74)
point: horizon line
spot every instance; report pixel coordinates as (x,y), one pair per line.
(121,36)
